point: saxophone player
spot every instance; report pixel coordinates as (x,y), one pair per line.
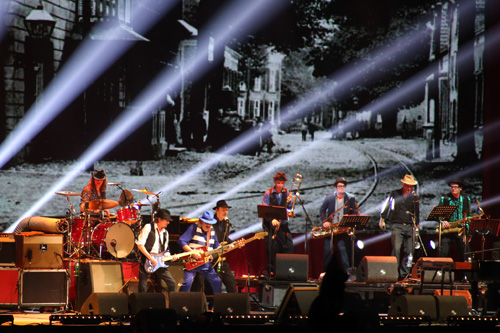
(463,204)
(335,206)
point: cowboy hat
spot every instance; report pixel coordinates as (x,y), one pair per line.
(221,203)
(409,180)
(280,176)
(208,217)
(455,181)
(340,180)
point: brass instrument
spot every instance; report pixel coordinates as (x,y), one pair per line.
(458,226)
(297,181)
(321,232)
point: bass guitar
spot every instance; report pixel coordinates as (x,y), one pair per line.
(192,263)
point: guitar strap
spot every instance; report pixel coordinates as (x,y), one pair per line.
(161,240)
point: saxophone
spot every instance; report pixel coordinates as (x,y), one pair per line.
(457,227)
(321,232)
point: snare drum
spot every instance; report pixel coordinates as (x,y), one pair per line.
(128,214)
(117,239)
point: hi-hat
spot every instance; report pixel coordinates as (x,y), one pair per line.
(68,193)
(101,204)
(144,191)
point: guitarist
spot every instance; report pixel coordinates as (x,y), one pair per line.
(277,195)
(463,204)
(198,235)
(153,238)
(221,228)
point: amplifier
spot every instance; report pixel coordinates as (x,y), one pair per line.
(7,250)
(39,250)
(8,280)
(43,287)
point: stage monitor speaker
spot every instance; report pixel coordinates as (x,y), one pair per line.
(414,305)
(377,269)
(39,251)
(112,304)
(43,287)
(451,306)
(187,304)
(297,301)
(231,303)
(433,273)
(97,277)
(292,267)
(140,301)
(7,249)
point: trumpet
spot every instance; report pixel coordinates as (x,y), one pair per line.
(297,181)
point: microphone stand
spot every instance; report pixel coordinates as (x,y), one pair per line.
(308,220)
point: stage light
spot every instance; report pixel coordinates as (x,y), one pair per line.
(432,244)
(360,244)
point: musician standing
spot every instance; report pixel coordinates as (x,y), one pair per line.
(334,207)
(400,207)
(282,242)
(198,235)
(153,238)
(463,204)
(221,228)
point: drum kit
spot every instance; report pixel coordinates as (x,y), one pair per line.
(96,233)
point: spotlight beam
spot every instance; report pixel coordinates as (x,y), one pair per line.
(87,64)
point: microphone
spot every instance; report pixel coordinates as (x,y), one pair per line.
(410,213)
(113,243)
(230,224)
(116,184)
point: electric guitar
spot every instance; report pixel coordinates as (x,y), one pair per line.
(192,263)
(161,258)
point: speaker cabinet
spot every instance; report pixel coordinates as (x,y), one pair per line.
(231,303)
(7,250)
(188,304)
(141,301)
(43,287)
(112,304)
(97,277)
(451,306)
(39,251)
(292,267)
(297,301)
(414,305)
(433,269)
(8,280)
(377,269)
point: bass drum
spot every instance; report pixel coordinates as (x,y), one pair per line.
(116,239)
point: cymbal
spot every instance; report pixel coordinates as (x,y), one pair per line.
(68,193)
(101,204)
(145,191)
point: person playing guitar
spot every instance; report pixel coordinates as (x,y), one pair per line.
(277,195)
(153,239)
(201,236)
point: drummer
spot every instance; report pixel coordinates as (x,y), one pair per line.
(95,189)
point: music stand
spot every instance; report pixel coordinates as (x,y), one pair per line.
(271,212)
(440,213)
(353,222)
(484,227)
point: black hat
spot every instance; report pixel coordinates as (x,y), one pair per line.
(221,203)
(456,181)
(340,180)
(99,174)
(164,214)
(280,176)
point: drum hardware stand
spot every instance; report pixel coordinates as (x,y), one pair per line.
(308,222)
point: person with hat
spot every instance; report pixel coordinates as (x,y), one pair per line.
(463,203)
(198,236)
(153,240)
(334,207)
(402,208)
(95,189)
(221,228)
(282,242)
